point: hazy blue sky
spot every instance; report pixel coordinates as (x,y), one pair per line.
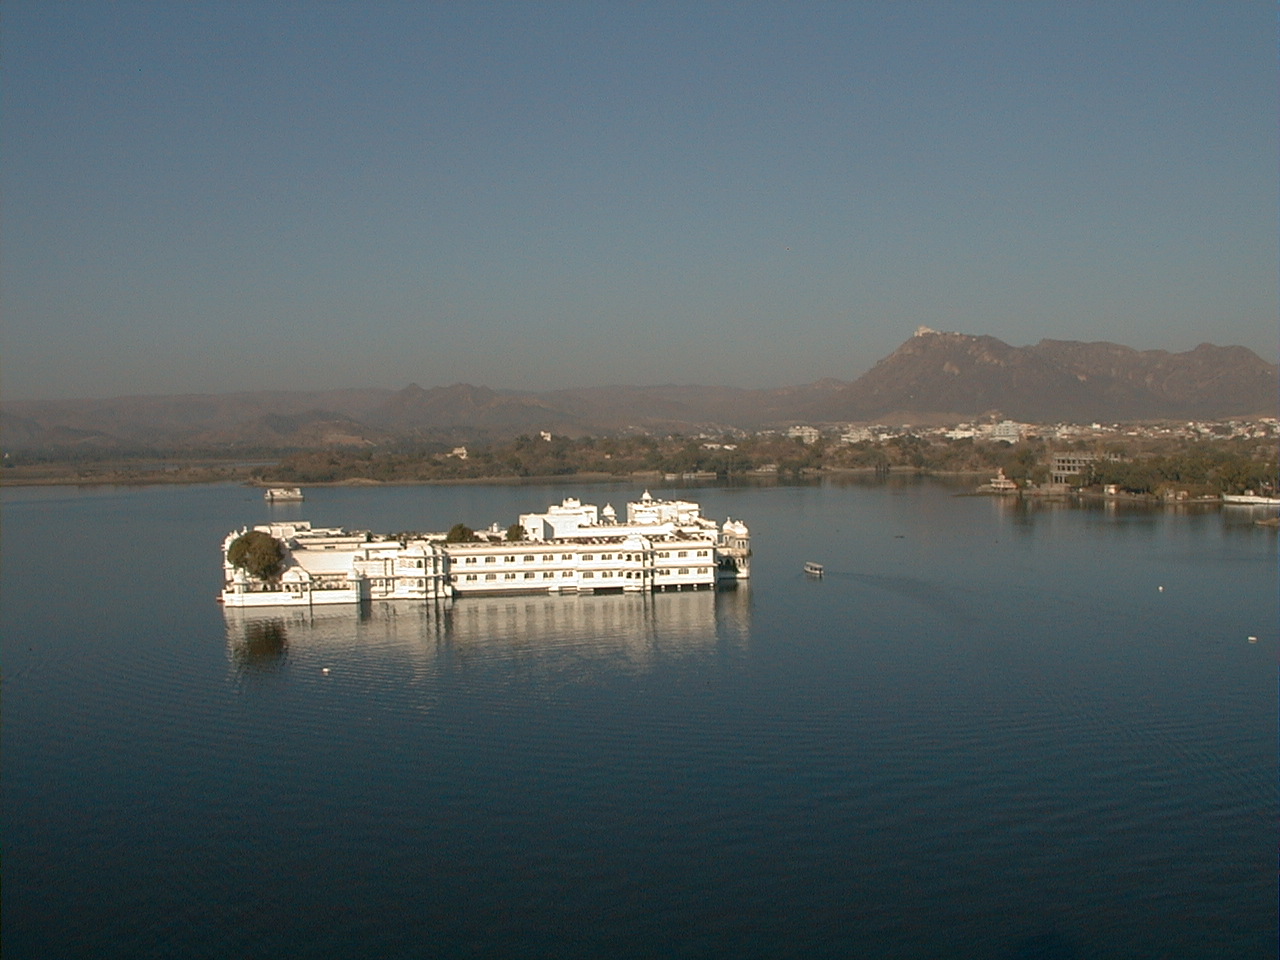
(224,196)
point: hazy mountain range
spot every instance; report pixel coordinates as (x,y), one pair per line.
(933,377)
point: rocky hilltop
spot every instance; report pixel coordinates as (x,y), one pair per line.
(945,375)
(934,376)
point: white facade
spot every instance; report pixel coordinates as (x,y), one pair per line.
(1007,430)
(664,545)
(627,562)
(332,565)
(647,511)
(560,521)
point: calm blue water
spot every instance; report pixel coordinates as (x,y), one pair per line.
(986,733)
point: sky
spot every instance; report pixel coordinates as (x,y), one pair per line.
(203,197)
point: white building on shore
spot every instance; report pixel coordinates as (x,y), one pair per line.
(663,545)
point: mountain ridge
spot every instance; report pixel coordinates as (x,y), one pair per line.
(932,377)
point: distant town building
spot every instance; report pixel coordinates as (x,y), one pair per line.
(804,434)
(857,435)
(1065,466)
(1001,484)
(1008,430)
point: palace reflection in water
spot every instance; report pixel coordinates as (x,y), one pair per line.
(629,632)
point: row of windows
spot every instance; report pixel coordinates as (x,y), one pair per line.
(528,558)
(588,575)
(550,557)
(546,575)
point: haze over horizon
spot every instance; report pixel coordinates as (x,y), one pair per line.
(220,197)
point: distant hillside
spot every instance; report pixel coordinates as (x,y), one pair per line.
(933,376)
(949,375)
(462,410)
(266,418)
(1202,383)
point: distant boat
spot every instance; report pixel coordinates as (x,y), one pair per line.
(1250,500)
(813,569)
(283,494)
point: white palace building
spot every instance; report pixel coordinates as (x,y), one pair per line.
(573,547)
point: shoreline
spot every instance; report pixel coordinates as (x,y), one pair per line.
(236,472)
(228,473)
(194,478)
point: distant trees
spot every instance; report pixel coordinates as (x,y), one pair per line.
(1239,473)
(460,533)
(515,532)
(1199,470)
(1145,464)
(1026,462)
(257,553)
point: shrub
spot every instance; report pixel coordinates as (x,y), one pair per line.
(460,533)
(257,553)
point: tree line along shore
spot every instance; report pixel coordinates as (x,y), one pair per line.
(1138,466)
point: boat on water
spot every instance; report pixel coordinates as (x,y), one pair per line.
(1249,500)
(813,569)
(283,494)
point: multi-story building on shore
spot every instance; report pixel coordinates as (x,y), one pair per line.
(662,545)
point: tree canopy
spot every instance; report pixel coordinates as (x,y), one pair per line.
(460,533)
(258,553)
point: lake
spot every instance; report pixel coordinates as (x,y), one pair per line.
(992,730)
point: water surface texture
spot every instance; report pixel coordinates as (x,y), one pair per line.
(992,730)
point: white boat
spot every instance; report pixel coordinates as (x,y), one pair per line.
(283,494)
(1250,500)
(813,569)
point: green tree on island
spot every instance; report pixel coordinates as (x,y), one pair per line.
(460,533)
(515,532)
(257,553)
